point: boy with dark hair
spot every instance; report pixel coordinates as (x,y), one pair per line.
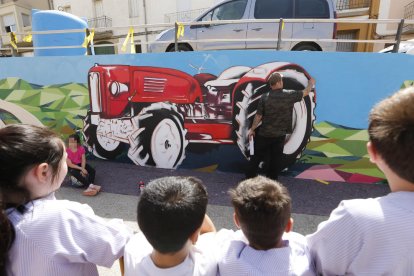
(265,245)
(172,215)
(375,236)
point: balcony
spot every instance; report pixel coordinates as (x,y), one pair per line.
(408,15)
(352,4)
(101,22)
(183,16)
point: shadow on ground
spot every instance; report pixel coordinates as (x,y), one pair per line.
(309,196)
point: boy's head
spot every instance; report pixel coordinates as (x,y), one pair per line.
(262,210)
(391,132)
(170,210)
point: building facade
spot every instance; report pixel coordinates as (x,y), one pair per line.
(16,17)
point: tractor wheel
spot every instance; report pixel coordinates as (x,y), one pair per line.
(302,123)
(99,145)
(160,140)
(246,100)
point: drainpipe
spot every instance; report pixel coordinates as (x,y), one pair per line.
(145,22)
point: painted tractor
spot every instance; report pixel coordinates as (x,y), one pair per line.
(158,111)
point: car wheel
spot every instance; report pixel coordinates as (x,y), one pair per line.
(306,47)
(181,48)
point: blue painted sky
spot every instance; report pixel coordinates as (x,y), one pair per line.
(348,84)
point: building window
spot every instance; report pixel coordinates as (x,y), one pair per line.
(133,8)
(26,20)
(99,9)
(66,8)
(9,23)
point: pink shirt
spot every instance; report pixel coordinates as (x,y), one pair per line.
(75,157)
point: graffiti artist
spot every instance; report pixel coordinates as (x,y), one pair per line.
(274,116)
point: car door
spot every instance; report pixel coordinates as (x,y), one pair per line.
(313,9)
(268,32)
(230,10)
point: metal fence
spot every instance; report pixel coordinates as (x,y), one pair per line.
(176,40)
(352,4)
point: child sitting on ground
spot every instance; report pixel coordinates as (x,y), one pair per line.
(375,236)
(83,173)
(265,245)
(40,235)
(172,215)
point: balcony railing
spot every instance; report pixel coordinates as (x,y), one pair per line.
(183,16)
(100,22)
(408,15)
(352,4)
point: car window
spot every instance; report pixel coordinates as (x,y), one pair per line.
(229,11)
(312,9)
(207,17)
(272,9)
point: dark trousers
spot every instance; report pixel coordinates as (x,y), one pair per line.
(267,149)
(90,177)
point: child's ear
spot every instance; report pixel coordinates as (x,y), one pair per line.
(194,237)
(236,220)
(372,151)
(289,225)
(41,172)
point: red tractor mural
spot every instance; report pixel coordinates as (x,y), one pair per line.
(158,111)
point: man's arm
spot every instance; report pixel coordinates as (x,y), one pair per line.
(257,119)
(308,88)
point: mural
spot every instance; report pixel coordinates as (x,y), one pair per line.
(192,110)
(157,111)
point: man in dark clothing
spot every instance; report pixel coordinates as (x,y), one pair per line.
(274,112)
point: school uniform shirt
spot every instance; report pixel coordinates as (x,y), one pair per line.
(372,236)
(238,258)
(61,237)
(200,261)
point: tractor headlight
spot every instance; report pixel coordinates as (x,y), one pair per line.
(117,88)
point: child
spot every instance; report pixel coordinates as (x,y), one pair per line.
(171,215)
(375,236)
(40,235)
(78,168)
(265,245)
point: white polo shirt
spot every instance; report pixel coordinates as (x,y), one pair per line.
(61,237)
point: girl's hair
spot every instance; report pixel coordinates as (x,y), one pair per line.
(21,148)
(75,137)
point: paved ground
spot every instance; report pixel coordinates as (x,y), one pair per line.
(312,200)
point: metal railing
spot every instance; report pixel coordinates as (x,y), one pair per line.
(100,22)
(352,4)
(183,16)
(408,14)
(277,40)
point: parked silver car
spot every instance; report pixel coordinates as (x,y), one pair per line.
(265,33)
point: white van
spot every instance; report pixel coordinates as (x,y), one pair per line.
(266,32)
